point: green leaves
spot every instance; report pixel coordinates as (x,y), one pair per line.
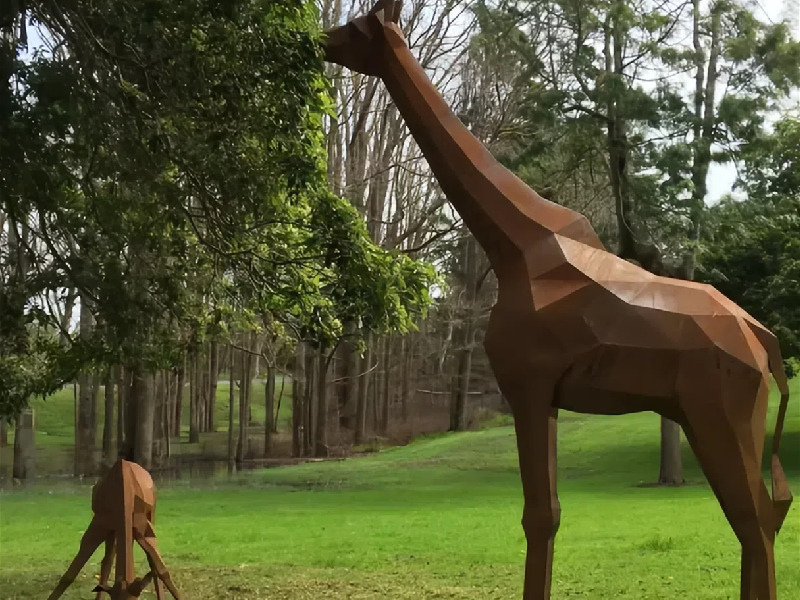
(751,248)
(169,162)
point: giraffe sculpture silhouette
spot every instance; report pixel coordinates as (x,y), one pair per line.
(124,505)
(578,328)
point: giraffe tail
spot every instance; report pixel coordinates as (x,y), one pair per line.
(781,494)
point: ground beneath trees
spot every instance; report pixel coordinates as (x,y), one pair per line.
(438,518)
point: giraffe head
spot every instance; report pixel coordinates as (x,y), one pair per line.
(354,45)
(120,591)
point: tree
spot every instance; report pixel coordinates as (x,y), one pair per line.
(614,69)
(750,250)
(107,133)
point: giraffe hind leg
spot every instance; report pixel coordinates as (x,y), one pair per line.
(150,547)
(105,566)
(735,477)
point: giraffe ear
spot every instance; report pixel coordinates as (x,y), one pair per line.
(395,13)
(387,10)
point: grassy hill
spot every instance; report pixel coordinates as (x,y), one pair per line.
(438,518)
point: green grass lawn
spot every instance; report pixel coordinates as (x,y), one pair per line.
(438,518)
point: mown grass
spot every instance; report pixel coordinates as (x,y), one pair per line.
(438,518)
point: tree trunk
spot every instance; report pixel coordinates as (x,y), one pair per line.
(406,349)
(278,408)
(242,447)
(373,403)
(269,409)
(321,437)
(212,388)
(160,410)
(387,386)
(169,395)
(309,404)
(194,399)
(298,406)
(84,432)
(143,399)
(3,433)
(364,367)
(466,336)
(202,379)
(108,418)
(176,420)
(349,381)
(122,389)
(671,472)
(458,415)
(24,445)
(231,401)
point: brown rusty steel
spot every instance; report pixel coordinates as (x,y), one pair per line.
(124,505)
(578,328)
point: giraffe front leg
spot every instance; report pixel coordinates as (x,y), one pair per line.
(536,442)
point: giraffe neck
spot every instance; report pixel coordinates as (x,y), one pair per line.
(505,215)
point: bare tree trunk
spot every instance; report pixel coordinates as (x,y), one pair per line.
(363,389)
(348,388)
(212,389)
(3,433)
(143,399)
(231,400)
(458,416)
(298,405)
(387,386)
(309,404)
(122,393)
(169,395)
(374,392)
(176,421)
(671,468)
(321,437)
(269,409)
(407,350)
(466,336)
(24,445)
(160,433)
(278,408)
(84,432)
(242,448)
(194,399)
(202,375)
(108,418)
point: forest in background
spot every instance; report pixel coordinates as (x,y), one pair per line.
(190,197)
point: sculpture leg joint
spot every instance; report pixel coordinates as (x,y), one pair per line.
(541,522)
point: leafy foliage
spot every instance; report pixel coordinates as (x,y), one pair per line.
(751,248)
(168,161)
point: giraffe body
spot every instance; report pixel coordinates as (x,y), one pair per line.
(578,328)
(123,503)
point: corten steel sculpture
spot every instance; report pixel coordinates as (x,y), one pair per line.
(124,506)
(576,327)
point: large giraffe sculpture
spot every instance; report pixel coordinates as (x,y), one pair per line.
(124,505)
(578,328)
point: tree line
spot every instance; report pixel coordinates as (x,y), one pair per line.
(189,191)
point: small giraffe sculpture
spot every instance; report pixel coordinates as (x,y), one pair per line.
(124,505)
(578,328)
